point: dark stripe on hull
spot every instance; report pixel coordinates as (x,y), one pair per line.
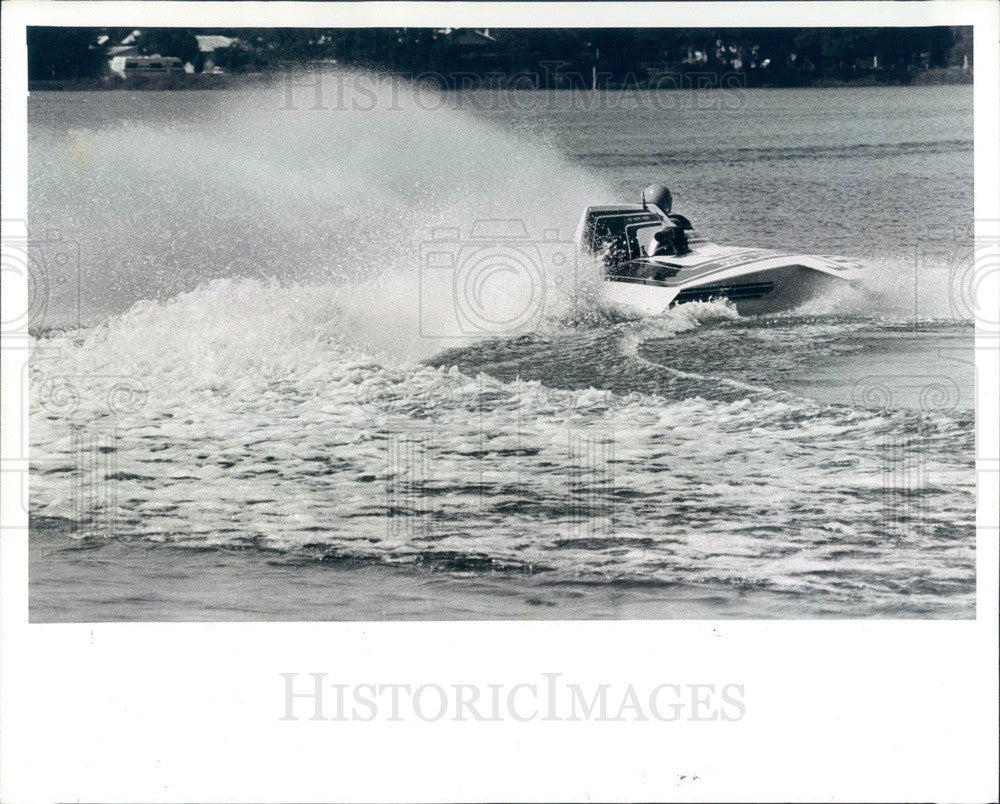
(639,280)
(761,293)
(735,292)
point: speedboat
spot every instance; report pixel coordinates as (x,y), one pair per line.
(654,259)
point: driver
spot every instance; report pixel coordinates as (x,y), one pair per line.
(669,239)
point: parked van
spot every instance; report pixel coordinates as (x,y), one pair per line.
(125,66)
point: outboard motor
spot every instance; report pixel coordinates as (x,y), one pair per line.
(620,234)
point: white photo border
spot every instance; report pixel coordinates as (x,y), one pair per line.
(849,710)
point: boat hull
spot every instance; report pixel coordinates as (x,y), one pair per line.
(757,281)
(762,292)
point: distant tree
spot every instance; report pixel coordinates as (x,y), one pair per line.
(613,51)
(774,56)
(60,53)
(170,42)
(940,42)
(239,57)
(962,47)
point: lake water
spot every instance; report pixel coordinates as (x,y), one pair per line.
(271,377)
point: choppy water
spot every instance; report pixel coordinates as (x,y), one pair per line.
(257,365)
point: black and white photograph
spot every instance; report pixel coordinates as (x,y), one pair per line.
(540,327)
(501,323)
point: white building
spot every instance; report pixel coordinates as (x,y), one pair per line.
(208,44)
(128,65)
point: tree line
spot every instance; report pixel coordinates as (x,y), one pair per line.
(777,56)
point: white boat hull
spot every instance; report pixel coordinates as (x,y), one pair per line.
(757,281)
(756,292)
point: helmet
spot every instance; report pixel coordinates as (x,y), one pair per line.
(659,196)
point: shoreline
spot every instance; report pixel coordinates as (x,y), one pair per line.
(952,76)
